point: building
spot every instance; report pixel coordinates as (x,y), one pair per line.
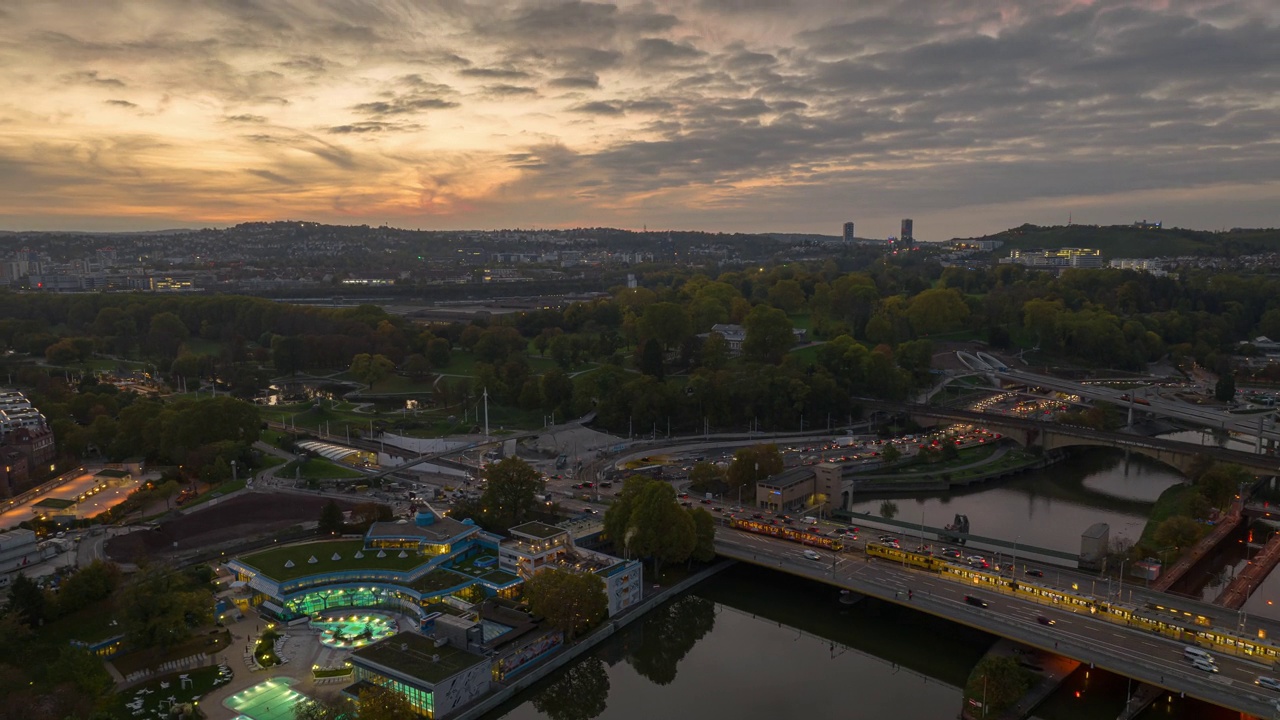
(536,546)
(1147,265)
(1058,259)
(436,678)
(819,486)
(735,335)
(906,234)
(15,471)
(18,550)
(848,232)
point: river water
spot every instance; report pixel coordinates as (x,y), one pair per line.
(754,643)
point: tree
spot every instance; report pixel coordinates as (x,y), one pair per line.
(159,607)
(707,478)
(659,528)
(666,322)
(1225,389)
(751,465)
(288,354)
(322,708)
(380,703)
(166,335)
(937,310)
(330,519)
(571,601)
(668,634)
(1177,531)
(1220,483)
(769,334)
(28,601)
(557,391)
(997,681)
(891,454)
(370,369)
(651,358)
(581,693)
(509,496)
(704,532)
(417,366)
(439,352)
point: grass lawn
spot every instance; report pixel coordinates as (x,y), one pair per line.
(1174,501)
(269,461)
(200,346)
(439,581)
(272,562)
(207,641)
(461,362)
(400,385)
(265,651)
(807,354)
(155,693)
(225,488)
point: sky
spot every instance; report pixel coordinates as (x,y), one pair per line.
(722,115)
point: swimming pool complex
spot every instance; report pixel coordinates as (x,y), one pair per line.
(355,630)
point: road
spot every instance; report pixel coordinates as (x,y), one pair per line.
(1127,651)
(1155,403)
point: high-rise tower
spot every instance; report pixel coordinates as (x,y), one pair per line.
(848,232)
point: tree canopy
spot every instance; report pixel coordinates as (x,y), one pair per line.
(571,601)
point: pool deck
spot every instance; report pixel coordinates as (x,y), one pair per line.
(303,650)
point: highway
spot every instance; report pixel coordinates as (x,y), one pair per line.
(1155,403)
(1126,651)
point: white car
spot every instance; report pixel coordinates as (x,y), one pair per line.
(1205,665)
(812,555)
(1268,683)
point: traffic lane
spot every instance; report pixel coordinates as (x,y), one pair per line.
(1135,646)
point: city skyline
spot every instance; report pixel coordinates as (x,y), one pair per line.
(719,115)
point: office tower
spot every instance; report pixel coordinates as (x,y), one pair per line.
(848,232)
(905,236)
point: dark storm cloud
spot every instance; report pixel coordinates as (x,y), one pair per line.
(121,103)
(405,105)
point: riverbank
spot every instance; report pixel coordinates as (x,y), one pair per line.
(593,639)
(1000,465)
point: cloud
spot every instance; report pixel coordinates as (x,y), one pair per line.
(720,114)
(91,77)
(579,82)
(598,108)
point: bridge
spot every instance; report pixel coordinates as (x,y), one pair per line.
(1077,633)
(1051,436)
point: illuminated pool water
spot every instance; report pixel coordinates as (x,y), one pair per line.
(270,700)
(354,630)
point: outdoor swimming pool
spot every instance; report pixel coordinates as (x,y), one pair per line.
(353,630)
(270,700)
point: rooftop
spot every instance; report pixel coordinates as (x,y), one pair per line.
(539,530)
(412,654)
(789,477)
(442,530)
(272,563)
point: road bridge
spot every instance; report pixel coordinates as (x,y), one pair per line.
(1076,634)
(1051,436)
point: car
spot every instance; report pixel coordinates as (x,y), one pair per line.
(1035,573)
(717,509)
(1043,620)
(951,553)
(812,555)
(1205,665)
(705,501)
(1266,682)
(975,601)
(815,529)
(757,516)
(788,521)
(888,538)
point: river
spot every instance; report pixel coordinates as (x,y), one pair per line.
(755,643)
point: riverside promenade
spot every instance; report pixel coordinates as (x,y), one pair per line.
(1225,526)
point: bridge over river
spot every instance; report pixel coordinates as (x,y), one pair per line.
(1078,633)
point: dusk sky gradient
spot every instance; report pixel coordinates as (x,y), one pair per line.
(720,115)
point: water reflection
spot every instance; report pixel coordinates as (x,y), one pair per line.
(1051,507)
(580,693)
(667,636)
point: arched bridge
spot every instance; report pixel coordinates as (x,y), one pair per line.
(1050,436)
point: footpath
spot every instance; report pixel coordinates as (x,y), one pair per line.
(1050,670)
(1225,526)
(1236,592)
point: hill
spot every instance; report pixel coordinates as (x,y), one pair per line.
(1130,241)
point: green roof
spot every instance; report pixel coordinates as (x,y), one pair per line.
(437,580)
(411,654)
(55,503)
(272,562)
(111,473)
(538,530)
